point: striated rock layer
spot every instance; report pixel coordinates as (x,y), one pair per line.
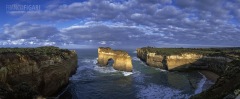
(30,72)
(222,61)
(122,61)
(182,60)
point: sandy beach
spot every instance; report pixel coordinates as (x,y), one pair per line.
(210,75)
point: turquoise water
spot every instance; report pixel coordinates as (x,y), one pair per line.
(94,82)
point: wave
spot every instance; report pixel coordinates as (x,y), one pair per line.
(163,70)
(134,51)
(136,59)
(93,61)
(104,69)
(200,84)
(108,69)
(127,73)
(153,91)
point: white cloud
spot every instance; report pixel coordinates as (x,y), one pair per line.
(133,22)
(102,42)
(27,30)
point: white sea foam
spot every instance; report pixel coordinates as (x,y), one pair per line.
(82,71)
(200,84)
(87,60)
(136,59)
(153,91)
(134,51)
(105,69)
(163,70)
(95,61)
(92,64)
(126,73)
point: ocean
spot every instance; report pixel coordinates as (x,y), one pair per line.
(94,82)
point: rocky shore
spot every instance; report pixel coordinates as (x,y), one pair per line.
(211,62)
(27,73)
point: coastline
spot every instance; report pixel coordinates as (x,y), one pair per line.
(210,75)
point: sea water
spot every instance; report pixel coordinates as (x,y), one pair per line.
(94,82)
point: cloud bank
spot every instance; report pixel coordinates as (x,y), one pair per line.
(131,23)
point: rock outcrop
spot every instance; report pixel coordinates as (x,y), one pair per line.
(222,61)
(182,60)
(30,72)
(226,87)
(122,61)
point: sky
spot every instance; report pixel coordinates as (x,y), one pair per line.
(120,23)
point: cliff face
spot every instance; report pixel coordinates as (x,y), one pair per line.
(225,62)
(181,61)
(122,61)
(227,86)
(40,71)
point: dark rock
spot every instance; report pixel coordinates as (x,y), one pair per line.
(222,61)
(29,72)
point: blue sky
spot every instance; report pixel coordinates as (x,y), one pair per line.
(120,23)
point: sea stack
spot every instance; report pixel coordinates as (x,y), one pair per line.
(122,61)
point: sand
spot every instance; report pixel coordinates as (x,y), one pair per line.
(209,75)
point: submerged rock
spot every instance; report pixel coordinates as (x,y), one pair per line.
(31,72)
(122,61)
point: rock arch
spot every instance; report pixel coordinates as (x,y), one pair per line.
(122,61)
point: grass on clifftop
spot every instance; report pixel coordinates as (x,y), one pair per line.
(39,51)
(203,51)
(44,49)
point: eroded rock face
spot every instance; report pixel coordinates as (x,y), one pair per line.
(122,61)
(182,61)
(225,62)
(226,86)
(175,61)
(38,71)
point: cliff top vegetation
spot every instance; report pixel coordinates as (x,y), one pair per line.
(230,51)
(35,52)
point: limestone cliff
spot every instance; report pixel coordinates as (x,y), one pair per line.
(227,86)
(182,60)
(28,72)
(122,61)
(223,61)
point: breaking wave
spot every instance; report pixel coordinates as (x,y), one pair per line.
(92,64)
(200,84)
(153,91)
(136,59)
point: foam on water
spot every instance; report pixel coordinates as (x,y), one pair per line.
(93,65)
(126,73)
(153,91)
(161,69)
(136,59)
(104,69)
(79,74)
(93,61)
(134,51)
(200,84)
